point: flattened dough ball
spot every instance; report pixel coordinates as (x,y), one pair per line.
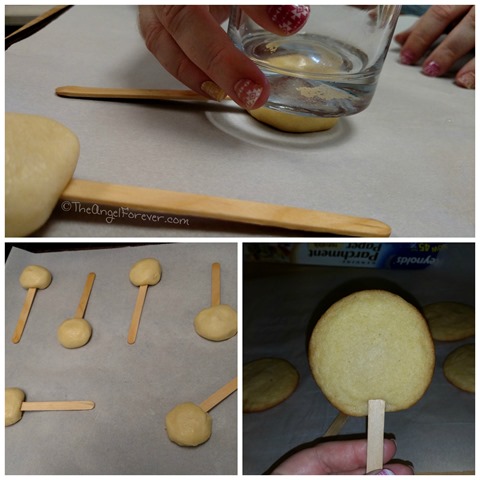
(267,382)
(35,276)
(74,333)
(372,345)
(188,425)
(14,398)
(450,321)
(146,272)
(288,122)
(459,368)
(216,323)
(40,158)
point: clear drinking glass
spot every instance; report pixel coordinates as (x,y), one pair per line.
(328,69)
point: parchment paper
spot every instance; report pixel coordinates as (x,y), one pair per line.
(407,160)
(283,302)
(133,386)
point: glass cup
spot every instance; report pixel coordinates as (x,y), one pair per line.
(328,69)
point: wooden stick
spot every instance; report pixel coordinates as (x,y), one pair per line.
(82,306)
(216,284)
(375,434)
(220,395)
(153,200)
(336,426)
(22,319)
(66,405)
(72,91)
(137,313)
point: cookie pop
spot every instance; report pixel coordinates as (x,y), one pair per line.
(371,353)
(218,322)
(144,273)
(32,278)
(76,332)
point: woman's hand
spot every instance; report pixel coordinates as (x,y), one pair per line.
(189,42)
(459,41)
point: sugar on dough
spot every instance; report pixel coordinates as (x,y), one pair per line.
(188,425)
(74,333)
(372,345)
(14,398)
(147,271)
(216,323)
(35,276)
(40,159)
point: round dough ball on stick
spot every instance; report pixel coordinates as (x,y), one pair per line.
(459,368)
(32,278)
(189,425)
(144,273)
(372,352)
(15,405)
(76,332)
(450,321)
(218,322)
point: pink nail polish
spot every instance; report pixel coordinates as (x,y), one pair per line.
(248,92)
(407,58)
(432,69)
(383,471)
(289,18)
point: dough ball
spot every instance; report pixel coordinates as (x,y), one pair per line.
(372,345)
(74,333)
(459,368)
(146,272)
(450,321)
(288,122)
(14,398)
(35,276)
(40,158)
(267,382)
(188,425)
(216,323)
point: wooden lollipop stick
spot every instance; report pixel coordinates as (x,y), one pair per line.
(375,434)
(220,395)
(82,306)
(22,319)
(336,426)
(215,284)
(137,313)
(67,405)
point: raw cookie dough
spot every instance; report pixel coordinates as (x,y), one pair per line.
(14,398)
(372,345)
(35,276)
(216,323)
(74,333)
(188,425)
(288,122)
(267,382)
(450,321)
(146,272)
(40,158)
(459,368)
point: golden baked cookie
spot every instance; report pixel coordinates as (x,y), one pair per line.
(459,368)
(267,382)
(450,321)
(372,345)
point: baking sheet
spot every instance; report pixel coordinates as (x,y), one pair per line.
(133,386)
(408,160)
(282,302)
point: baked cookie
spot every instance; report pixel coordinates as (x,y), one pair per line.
(267,382)
(372,345)
(450,321)
(459,368)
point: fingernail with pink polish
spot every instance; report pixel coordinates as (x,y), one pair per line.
(248,92)
(383,471)
(407,57)
(432,69)
(289,18)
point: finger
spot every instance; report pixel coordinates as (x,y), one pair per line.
(428,29)
(208,47)
(457,43)
(402,37)
(279,19)
(466,75)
